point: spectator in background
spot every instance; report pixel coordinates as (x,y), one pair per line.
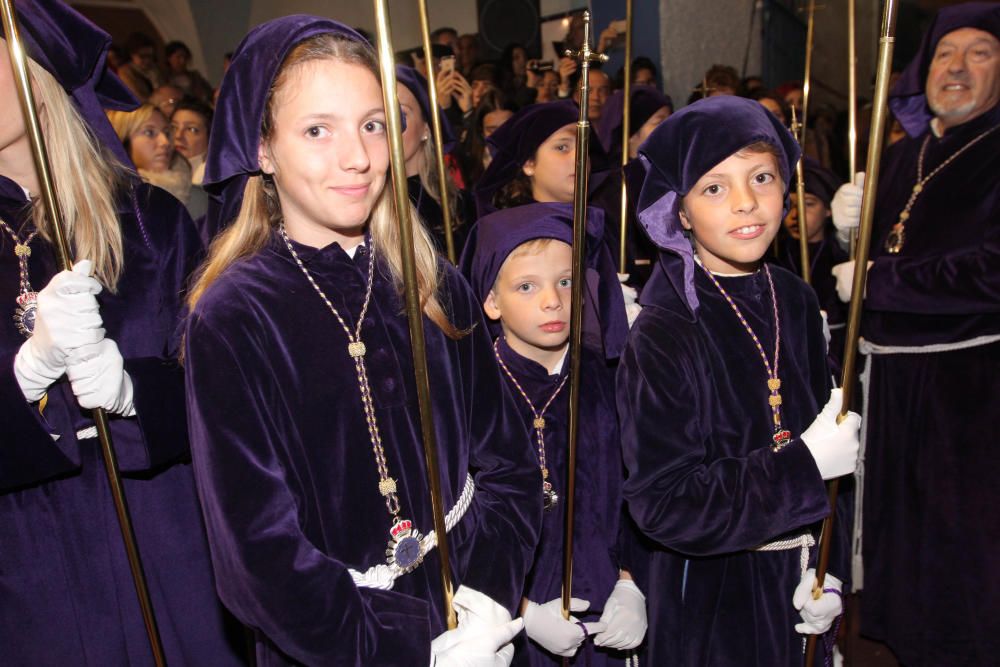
(140,73)
(600,89)
(446,36)
(644,72)
(116,58)
(467,55)
(515,80)
(483,79)
(145,134)
(165,98)
(752,83)
(546,85)
(773,102)
(473,155)
(188,80)
(718,80)
(190,125)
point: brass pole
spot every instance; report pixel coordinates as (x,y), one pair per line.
(26,97)
(800,190)
(879,114)
(414,313)
(585,55)
(442,173)
(626,134)
(852,103)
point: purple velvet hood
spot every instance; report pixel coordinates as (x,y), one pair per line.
(646,100)
(417,84)
(908,99)
(239,113)
(516,141)
(820,181)
(682,150)
(74,51)
(604,322)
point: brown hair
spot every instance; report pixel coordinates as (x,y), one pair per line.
(260,212)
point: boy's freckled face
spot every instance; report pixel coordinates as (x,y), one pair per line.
(734,211)
(531,297)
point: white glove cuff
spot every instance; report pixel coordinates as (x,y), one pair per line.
(33,376)
(629,585)
(470,602)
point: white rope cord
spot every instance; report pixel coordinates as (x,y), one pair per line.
(383,575)
(804,542)
(868,349)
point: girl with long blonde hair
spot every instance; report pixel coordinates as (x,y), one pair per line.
(101,335)
(301,397)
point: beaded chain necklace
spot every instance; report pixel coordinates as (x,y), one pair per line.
(897,237)
(27,298)
(404,547)
(782,436)
(549,496)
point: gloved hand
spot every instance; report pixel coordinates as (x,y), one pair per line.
(844,273)
(545,624)
(817,615)
(98,378)
(846,207)
(473,647)
(632,308)
(67,318)
(834,446)
(479,613)
(625,617)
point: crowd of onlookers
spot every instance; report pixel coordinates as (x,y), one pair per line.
(167,137)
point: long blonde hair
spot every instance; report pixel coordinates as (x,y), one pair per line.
(87,178)
(260,211)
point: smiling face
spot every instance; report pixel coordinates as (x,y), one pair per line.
(734,211)
(553,168)
(963,81)
(327,153)
(150,146)
(531,298)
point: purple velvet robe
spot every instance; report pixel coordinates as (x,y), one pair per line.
(703,483)
(599,477)
(287,474)
(932,591)
(66,593)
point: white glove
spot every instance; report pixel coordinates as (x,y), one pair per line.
(473,647)
(846,207)
(67,318)
(817,615)
(844,273)
(545,624)
(632,307)
(827,336)
(479,613)
(98,378)
(834,446)
(625,617)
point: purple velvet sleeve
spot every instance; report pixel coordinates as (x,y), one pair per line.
(268,572)
(28,452)
(960,282)
(682,492)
